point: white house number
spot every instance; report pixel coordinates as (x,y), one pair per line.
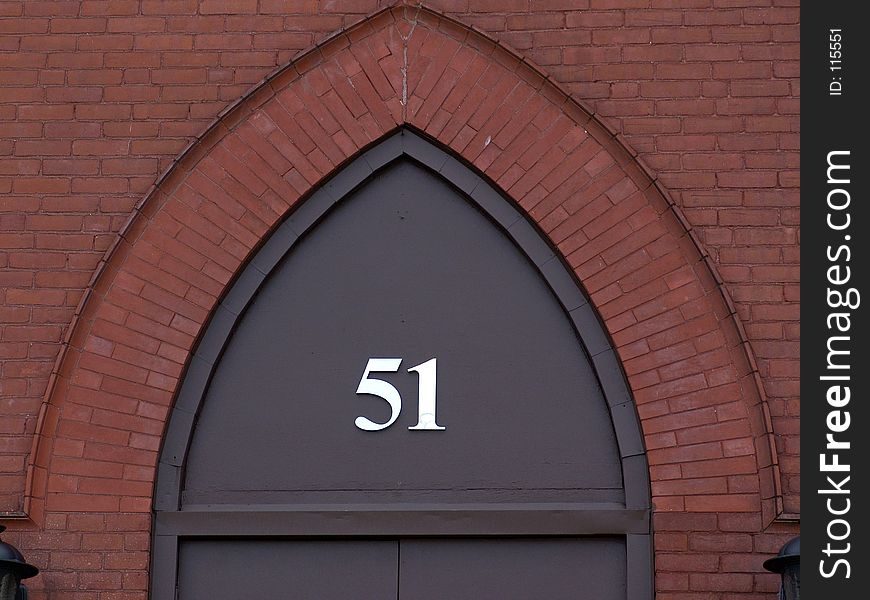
(382,389)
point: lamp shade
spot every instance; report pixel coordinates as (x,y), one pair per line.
(788,564)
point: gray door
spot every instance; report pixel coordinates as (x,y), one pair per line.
(292,570)
(512,569)
(408,569)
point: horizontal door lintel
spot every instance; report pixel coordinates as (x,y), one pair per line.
(404,520)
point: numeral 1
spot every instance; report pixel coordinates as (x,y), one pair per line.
(426,400)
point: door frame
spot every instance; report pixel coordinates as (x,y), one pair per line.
(631,519)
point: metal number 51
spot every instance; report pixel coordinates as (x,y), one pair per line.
(382,389)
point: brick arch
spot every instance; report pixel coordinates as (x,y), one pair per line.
(687,359)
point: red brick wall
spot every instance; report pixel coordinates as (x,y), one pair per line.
(98,98)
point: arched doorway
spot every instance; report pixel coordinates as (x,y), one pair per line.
(404,394)
(133,339)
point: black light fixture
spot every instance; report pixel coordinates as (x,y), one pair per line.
(788,564)
(13,568)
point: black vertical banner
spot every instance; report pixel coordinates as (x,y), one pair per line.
(835,370)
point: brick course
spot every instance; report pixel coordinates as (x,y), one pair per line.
(98,98)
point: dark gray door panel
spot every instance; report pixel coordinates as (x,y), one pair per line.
(287,570)
(512,569)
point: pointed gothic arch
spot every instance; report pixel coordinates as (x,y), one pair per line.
(235,459)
